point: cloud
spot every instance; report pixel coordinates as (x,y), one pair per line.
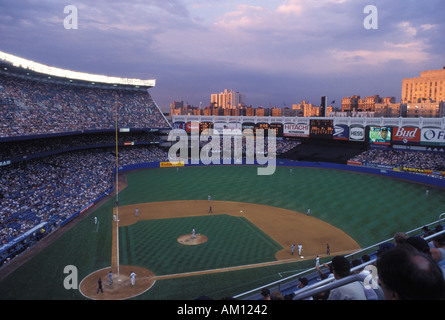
(406,27)
(265,44)
(409,53)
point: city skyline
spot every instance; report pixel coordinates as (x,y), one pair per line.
(275,52)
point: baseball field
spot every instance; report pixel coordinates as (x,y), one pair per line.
(244,242)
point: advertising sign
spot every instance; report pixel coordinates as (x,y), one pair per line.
(228,128)
(296,130)
(357,134)
(179,125)
(248,128)
(406,135)
(192,126)
(341,132)
(430,136)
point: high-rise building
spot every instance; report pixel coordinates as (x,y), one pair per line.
(349,104)
(430,86)
(227,99)
(366,104)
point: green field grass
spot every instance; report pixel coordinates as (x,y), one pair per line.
(369,208)
(233,241)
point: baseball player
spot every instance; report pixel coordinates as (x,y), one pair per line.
(293,249)
(308,212)
(99,286)
(193,233)
(317,261)
(300,247)
(137,212)
(133,278)
(110,276)
(209,197)
(95,220)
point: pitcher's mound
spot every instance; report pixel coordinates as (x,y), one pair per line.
(121,287)
(189,240)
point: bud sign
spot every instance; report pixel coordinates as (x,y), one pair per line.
(406,134)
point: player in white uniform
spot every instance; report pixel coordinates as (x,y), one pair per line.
(133,278)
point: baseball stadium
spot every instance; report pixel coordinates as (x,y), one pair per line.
(93,207)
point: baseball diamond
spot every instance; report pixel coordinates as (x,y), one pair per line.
(277,223)
(252,227)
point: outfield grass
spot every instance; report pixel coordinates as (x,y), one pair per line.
(368,208)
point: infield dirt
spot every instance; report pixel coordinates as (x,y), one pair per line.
(283,226)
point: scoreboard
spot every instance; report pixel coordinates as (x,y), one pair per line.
(263,126)
(278,127)
(321,129)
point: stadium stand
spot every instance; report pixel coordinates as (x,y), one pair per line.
(57,154)
(42,108)
(412,159)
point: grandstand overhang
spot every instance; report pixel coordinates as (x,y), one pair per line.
(16,66)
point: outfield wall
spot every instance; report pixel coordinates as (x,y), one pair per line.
(379,170)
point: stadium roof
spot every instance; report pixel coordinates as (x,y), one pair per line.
(31,68)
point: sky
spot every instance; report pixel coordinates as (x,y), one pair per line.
(276,52)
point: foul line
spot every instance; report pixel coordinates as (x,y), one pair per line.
(247,266)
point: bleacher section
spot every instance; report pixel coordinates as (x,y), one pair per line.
(48,108)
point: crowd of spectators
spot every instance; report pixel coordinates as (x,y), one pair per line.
(248,147)
(410,159)
(409,268)
(42,108)
(17,149)
(55,187)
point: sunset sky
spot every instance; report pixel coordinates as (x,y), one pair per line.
(275,52)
